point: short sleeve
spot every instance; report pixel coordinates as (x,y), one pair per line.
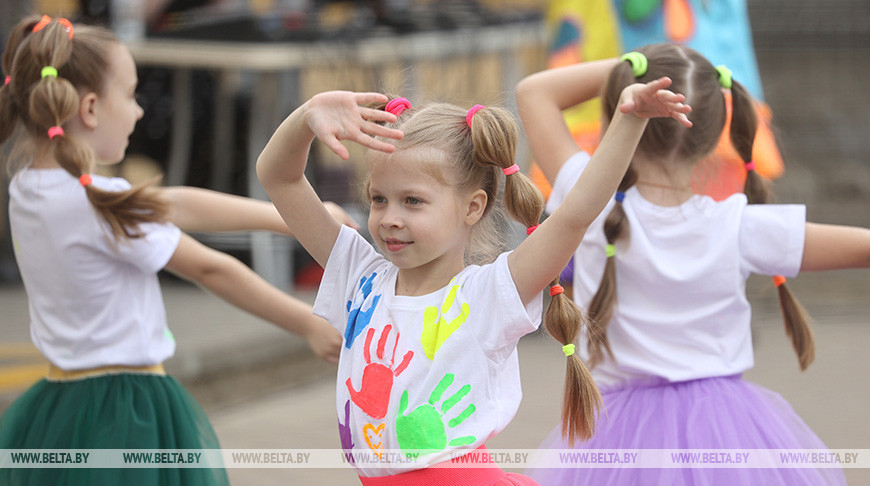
(509,319)
(772,238)
(352,258)
(566,178)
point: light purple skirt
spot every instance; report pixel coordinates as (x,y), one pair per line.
(712,413)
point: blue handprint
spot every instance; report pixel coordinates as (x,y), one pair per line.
(357,320)
(422,431)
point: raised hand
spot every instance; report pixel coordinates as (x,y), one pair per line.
(334,116)
(653,100)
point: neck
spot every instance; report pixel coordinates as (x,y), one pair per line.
(664,183)
(426,279)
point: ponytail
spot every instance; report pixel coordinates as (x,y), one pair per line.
(494,145)
(795,317)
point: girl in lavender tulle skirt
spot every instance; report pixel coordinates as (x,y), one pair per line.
(662,273)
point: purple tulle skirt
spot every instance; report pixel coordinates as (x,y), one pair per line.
(712,413)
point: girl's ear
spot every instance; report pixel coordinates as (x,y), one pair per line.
(476,206)
(88,110)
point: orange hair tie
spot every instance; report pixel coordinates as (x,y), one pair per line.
(778,280)
(85,180)
(556,290)
(45,20)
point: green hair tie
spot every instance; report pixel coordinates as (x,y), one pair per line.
(610,250)
(49,71)
(638,61)
(568,349)
(724,76)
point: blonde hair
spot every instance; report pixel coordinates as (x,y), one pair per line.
(694,76)
(475,156)
(34,104)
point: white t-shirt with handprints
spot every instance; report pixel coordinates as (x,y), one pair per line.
(437,372)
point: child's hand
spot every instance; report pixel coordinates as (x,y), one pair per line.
(340,215)
(652,100)
(337,115)
(324,340)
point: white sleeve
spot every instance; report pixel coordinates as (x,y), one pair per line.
(567,177)
(772,238)
(353,264)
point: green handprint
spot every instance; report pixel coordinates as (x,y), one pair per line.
(436,329)
(422,431)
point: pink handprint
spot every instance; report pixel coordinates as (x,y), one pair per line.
(373,397)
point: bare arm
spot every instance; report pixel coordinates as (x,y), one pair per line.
(195,209)
(539,258)
(233,281)
(331,117)
(541,98)
(832,247)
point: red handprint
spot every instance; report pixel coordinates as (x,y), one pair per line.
(373,397)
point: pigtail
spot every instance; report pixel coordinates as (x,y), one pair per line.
(50,65)
(494,136)
(603,303)
(795,317)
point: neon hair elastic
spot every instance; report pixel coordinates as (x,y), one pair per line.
(610,250)
(45,20)
(556,290)
(778,280)
(85,180)
(749,165)
(531,229)
(724,76)
(619,196)
(54,132)
(511,170)
(471,111)
(48,71)
(397,105)
(568,349)
(7,80)
(638,61)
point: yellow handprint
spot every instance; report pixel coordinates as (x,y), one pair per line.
(436,329)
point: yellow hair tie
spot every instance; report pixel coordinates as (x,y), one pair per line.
(568,349)
(48,71)
(610,250)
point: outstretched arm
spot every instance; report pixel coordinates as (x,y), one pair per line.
(233,281)
(194,209)
(832,247)
(539,258)
(332,117)
(541,98)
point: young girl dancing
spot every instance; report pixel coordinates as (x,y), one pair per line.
(662,273)
(429,363)
(89,249)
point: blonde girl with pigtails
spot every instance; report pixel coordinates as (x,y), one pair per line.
(662,274)
(430,311)
(89,249)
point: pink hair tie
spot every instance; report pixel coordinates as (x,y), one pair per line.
(7,80)
(397,105)
(85,180)
(54,131)
(471,111)
(749,165)
(511,170)
(530,229)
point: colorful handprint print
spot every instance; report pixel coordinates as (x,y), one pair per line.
(373,396)
(358,319)
(345,434)
(422,431)
(436,329)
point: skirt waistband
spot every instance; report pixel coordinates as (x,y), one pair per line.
(57,374)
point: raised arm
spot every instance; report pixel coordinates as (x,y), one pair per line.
(332,117)
(196,209)
(541,98)
(833,247)
(539,258)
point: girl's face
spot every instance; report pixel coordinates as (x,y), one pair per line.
(417,221)
(116,108)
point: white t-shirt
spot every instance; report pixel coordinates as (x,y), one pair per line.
(437,371)
(681,309)
(94,301)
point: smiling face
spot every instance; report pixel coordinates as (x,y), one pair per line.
(417,219)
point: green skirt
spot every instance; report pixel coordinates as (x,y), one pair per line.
(121,411)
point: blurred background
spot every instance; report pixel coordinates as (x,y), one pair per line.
(216,77)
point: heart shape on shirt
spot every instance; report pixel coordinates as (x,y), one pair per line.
(373,437)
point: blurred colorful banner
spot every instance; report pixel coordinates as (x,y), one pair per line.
(586,30)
